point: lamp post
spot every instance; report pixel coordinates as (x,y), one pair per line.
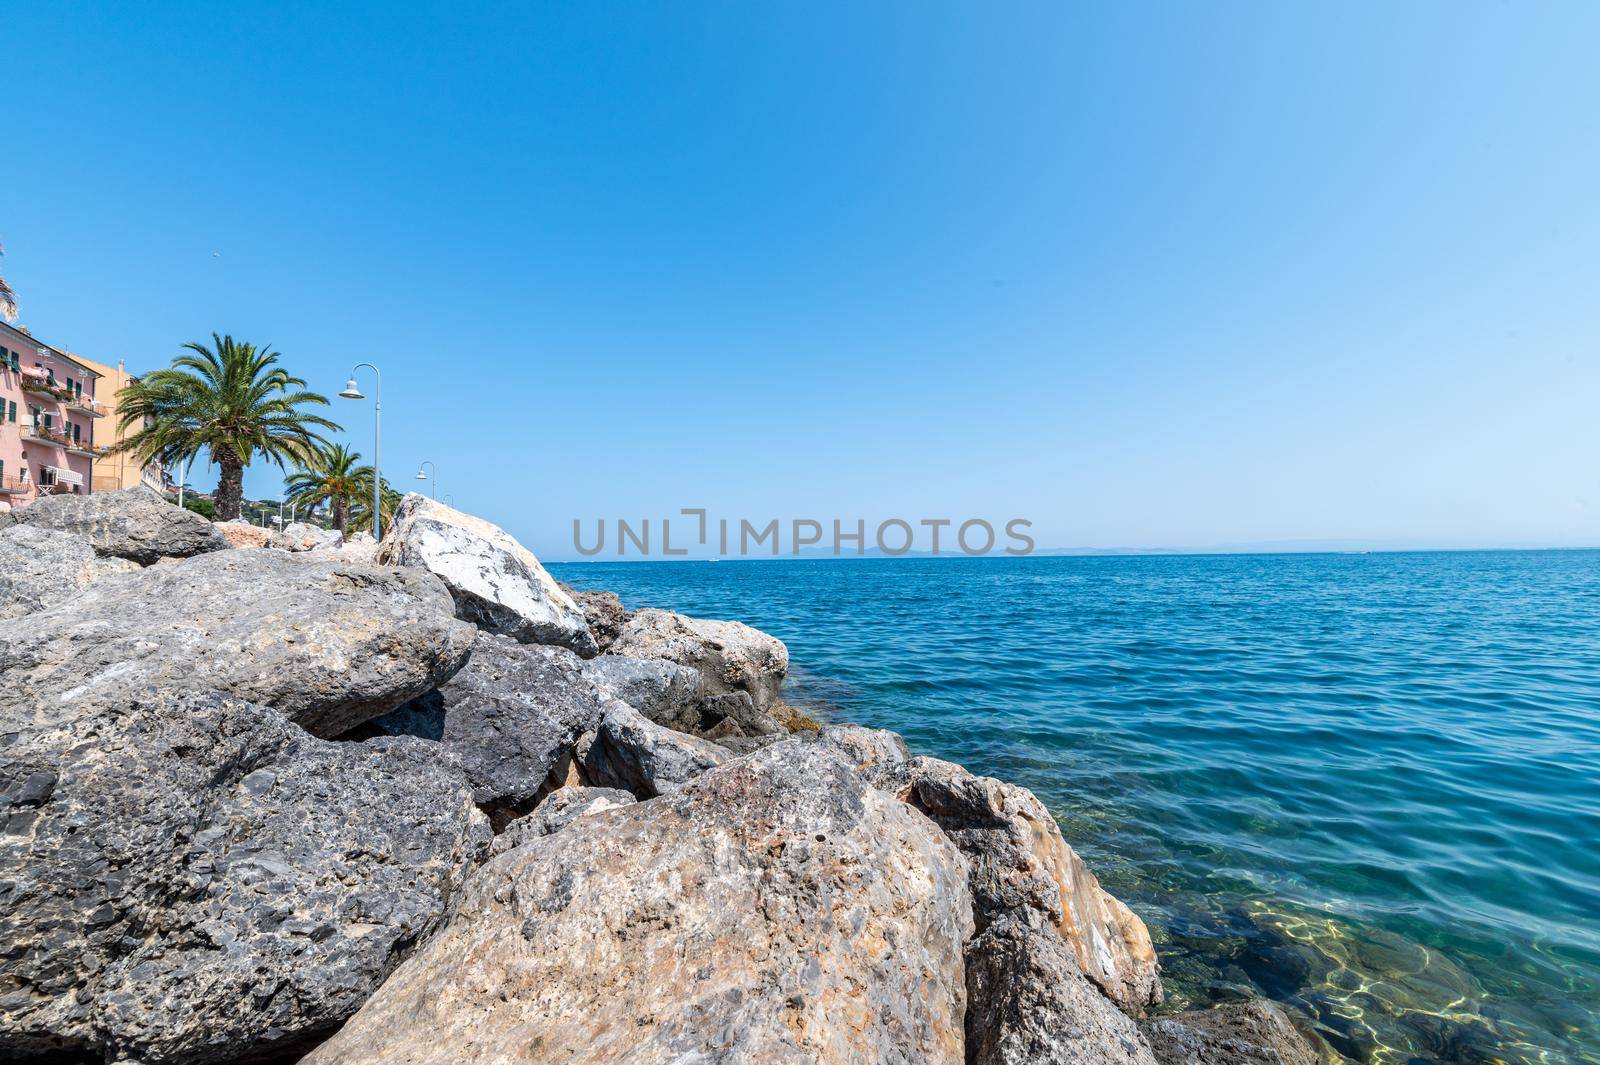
(423,477)
(352,392)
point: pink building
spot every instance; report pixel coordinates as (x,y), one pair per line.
(47,417)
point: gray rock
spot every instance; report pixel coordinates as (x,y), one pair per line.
(1022,867)
(631,752)
(1243,1033)
(133,523)
(731,656)
(739,708)
(665,692)
(774,911)
(301,536)
(497,583)
(1030,1004)
(328,644)
(190,879)
(746,744)
(602,611)
(513,715)
(876,753)
(42,567)
(559,809)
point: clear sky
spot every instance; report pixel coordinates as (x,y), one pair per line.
(1147,275)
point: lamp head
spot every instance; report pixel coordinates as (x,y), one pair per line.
(420,475)
(351,391)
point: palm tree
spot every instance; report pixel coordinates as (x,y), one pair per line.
(361,510)
(8,299)
(333,477)
(230,399)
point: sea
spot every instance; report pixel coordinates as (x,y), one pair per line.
(1364,785)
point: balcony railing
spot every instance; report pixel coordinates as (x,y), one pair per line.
(78,447)
(50,435)
(10,486)
(87,405)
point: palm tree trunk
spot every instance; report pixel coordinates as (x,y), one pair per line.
(230,486)
(341,516)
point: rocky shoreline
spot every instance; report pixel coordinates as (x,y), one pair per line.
(288,798)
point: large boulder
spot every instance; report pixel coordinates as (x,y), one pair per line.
(776,911)
(513,714)
(629,751)
(327,643)
(190,878)
(1240,1033)
(243,534)
(132,523)
(302,536)
(1021,867)
(602,610)
(732,656)
(665,692)
(42,567)
(562,807)
(497,583)
(1030,1004)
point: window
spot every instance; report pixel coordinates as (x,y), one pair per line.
(49,421)
(16,361)
(75,428)
(13,410)
(50,375)
(47,477)
(33,415)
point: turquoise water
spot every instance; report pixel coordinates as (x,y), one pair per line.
(1367,786)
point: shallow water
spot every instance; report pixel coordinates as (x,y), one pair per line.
(1365,785)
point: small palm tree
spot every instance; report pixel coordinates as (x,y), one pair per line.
(361,510)
(231,400)
(334,477)
(8,299)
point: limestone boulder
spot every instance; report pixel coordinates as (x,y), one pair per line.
(602,610)
(302,536)
(733,657)
(243,534)
(1029,1003)
(562,807)
(668,694)
(327,643)
(132,523)
(1023,868)
(497,583)
(631,752)
(777,910)
(513,715)
(1241,1033)
(42,567)
(190,879)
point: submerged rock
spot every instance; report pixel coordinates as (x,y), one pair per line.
(329,644)
(631,752)
(132,523)
(776,910)
(497,583)
(732,657)
(192,879)
(513,714)
(1243,1033)
(42,567)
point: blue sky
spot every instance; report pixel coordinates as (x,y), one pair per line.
(1147,275)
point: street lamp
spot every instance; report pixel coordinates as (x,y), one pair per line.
(352,392)
(423,477)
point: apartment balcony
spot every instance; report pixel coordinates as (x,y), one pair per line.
(78,447)
(13,486)
(39,385)
(42,435)
(87,405)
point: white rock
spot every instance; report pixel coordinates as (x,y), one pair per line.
(498,584)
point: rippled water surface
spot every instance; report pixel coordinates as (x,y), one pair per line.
(1365,785)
